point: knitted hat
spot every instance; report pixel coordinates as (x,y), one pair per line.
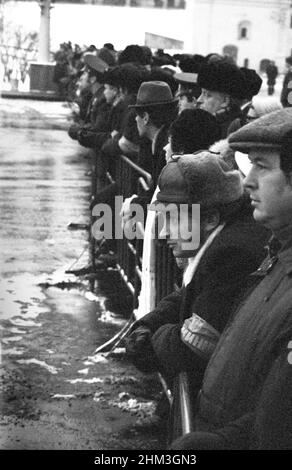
(265,132)
(202,178)
(152,94)
(223,77)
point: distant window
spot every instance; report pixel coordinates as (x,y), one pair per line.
(244,30)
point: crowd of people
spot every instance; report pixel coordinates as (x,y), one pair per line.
(198,127)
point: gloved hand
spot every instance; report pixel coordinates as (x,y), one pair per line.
(73,131)
(139,349)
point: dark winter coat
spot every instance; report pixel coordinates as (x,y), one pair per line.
(220,277)
(239,382)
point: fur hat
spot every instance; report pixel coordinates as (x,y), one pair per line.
(253,82)
(191,64)
(194,129)
(132,53)
(202,178)
(132,76)
(107,56)
(152,94)
(265,132)
(223,77)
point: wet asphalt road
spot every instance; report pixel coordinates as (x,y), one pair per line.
(55,392)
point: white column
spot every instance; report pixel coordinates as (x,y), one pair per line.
(44,32)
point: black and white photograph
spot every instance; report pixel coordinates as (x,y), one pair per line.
(146,229)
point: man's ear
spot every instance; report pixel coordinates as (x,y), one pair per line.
(145,117)
(226,101)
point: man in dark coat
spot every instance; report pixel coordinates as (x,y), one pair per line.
(97,113)
(244,386)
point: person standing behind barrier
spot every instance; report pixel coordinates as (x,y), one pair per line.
(126,140)
(97,115)
(191,131)
(230,247)
(243,391)
(272,73)
(155,109)
(223,90)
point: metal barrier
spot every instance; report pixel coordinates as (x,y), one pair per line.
(131,179)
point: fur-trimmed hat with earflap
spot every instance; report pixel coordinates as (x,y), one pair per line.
(202,178)
(223,77)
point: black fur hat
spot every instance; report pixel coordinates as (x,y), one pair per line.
(132,76)
(253,82)
(223,77)
(132,53)
(194,129)
(191,64)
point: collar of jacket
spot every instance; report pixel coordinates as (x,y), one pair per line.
(228,114)
(277,251)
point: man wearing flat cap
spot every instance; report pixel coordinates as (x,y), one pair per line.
(182,331)
(246,398)
(223,90)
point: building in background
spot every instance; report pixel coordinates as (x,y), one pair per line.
(251,31)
